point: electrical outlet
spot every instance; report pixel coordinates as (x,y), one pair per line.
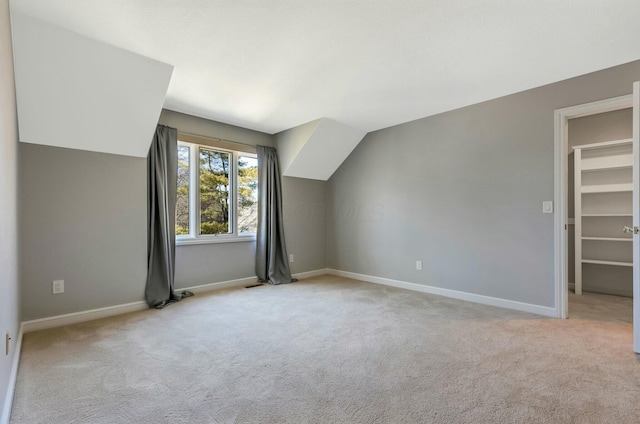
(8,339)
(291,258)
(58,287)
(419,265)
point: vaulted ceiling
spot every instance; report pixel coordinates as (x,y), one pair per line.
(271,65)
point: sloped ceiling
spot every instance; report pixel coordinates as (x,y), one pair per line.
(316,149)
(274,65)
(76,92)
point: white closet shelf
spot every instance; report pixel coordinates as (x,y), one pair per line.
(607,163)
(605,214)
(607,238)
(602,182)
(604,144)
(594,261)
(607,188)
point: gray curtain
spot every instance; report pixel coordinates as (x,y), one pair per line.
(162,165)
(272,263)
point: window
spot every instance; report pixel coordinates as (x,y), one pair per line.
(217,194)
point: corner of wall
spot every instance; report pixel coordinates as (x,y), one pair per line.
(9,287)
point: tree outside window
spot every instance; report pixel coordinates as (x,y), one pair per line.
(225,201)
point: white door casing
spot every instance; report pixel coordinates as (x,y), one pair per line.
(561,192)
(636,216)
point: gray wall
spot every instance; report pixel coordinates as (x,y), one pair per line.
(462,191)
(83,220)
(594,129)
(608,126)
(210,263)
(304,203)
(9,293)
(208,128)
(304,230)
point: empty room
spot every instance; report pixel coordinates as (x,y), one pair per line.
(243,211)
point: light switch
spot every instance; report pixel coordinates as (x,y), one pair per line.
(547,206)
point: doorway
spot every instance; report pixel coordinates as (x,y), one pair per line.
(585,122)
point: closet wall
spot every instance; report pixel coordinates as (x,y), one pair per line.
(593,129)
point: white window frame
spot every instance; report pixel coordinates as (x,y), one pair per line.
(194,199)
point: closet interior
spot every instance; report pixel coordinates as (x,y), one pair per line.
(600,204)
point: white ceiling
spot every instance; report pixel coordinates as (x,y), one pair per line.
(274,64)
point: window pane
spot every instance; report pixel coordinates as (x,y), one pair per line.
(182,201)
(214,192)
(247,194)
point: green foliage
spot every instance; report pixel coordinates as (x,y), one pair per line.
(247,185)
(214,184)
(247,195)
(182,198)
(214,228)
(214,192)
(180,230)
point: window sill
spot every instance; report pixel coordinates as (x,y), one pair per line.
(185,241)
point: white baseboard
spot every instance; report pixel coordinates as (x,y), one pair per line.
(82,316)
(469,297)
(310,274)
(219,286)
(89,315)
(8,400)
(245,281)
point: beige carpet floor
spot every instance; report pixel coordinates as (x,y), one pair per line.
(330,350)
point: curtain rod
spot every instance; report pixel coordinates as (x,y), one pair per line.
(217,139)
